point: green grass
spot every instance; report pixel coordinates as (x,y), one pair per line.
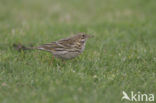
(121,56)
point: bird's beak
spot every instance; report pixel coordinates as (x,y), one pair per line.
(89,36)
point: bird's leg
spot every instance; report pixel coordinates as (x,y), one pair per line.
(63,61)
(52,60)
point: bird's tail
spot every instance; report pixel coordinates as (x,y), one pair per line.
(21,47)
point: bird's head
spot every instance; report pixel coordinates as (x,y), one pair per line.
(84,36)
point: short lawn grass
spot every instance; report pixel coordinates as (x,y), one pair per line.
(120,57)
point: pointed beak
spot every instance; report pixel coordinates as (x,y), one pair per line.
(89,36)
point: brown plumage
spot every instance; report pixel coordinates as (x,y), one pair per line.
(67,48)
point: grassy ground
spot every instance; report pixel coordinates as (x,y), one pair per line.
(121,56)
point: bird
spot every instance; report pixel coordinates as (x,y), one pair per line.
(64,49)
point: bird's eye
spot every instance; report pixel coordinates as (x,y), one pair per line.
(83,36)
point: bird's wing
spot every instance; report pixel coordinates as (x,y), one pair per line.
(66,43)
(61,45)
(57,46)
(49,46)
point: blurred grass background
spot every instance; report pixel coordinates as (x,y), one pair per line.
(121,56)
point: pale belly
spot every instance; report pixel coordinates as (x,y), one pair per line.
(68,55)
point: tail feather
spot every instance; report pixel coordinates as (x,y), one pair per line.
(21,47)
(43,48)
(40,48)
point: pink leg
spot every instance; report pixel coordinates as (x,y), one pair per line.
(52,57)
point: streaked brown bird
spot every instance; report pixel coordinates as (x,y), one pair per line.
(67,48)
